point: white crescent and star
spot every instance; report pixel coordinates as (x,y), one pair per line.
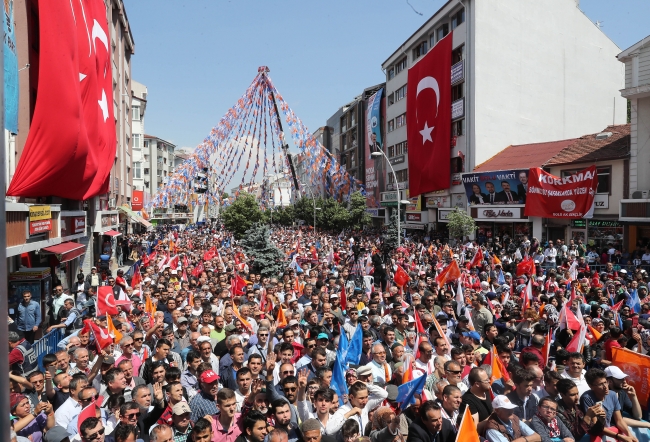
(428,83)
(107,300)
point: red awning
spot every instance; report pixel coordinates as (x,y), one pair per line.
(112,233)
(66,251)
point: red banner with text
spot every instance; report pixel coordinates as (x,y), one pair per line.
(570,196)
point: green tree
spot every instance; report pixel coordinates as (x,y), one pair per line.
(266,258)
(391,234)
(242,214)
(332,216)
(460,224)
(358,216)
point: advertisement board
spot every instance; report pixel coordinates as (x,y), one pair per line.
(374,173)
(137,200)
(499,187)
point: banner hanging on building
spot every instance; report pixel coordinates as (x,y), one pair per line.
(428,120)
(70,148)
(375,177)
(571,196)
(10,70)
(499,187)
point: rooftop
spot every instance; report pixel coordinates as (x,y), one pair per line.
(523,156)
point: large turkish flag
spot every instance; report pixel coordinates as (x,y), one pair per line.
(428,120)
(71,146)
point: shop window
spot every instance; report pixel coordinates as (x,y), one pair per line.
(604,178)
(458,128)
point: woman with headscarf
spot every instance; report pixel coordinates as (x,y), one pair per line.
(28,424)
(385,426)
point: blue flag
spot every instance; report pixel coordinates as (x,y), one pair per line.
(501,279)
(338,383)
(634,302)
(342,351)
(406,391)
(355,348)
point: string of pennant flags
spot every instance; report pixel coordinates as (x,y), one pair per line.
(249,137)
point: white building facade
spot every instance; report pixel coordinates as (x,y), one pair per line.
(138,108)
(522,71)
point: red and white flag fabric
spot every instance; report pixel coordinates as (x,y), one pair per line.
(102,338)
(428,113)
(72,132)
(401,277)
(449,273)
(106,301)
(550,196)
(477,259)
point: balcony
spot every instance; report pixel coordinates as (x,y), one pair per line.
(634,210)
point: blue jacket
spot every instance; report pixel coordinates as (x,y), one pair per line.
(28,316)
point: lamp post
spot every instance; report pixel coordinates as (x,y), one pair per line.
(378,154)
(315,208)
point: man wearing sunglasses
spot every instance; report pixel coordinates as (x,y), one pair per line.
(92,430)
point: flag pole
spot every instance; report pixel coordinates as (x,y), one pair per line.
(4,330)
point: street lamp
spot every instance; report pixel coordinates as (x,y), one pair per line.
(378,154)
(315,208)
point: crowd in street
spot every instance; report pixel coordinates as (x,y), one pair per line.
(197,343)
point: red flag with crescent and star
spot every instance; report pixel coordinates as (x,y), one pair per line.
(106,301)
(428,120)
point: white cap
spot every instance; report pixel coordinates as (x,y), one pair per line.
(502,401)
(614,372)
(411,319)
(203,339)
(334,295)
(147,279)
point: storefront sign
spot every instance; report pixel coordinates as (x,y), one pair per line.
(399,159)
(138,200)
(499,213)
(373,212)
(458,72)
(458,109)
(38,213)
(415,203)
(582,223)
(438,201)
(403,185)
(388,196)
(443,215)
(571,196)
(414,217)
(500,187)
(413,226)
(37,227)
(601,201)
(78,224)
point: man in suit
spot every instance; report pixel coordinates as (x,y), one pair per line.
(522,189)
(506,195)
(491,195)
(430,426)
(477,196)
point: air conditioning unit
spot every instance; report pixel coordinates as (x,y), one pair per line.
(645,194)
(111,203)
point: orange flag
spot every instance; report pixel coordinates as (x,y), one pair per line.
(595,333)
(449,273)
(244,322)
(637,366)
(408,372)
(117,336)
(281,320)
(495,260)
(467,431)
(149,307)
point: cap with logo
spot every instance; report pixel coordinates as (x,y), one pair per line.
(502,401)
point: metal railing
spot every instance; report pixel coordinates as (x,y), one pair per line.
(47,344)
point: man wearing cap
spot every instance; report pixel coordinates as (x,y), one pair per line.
(627,398)
(504,426)
(181,423)
(204,403)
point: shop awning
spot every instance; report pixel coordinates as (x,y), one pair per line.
(66,251)
(134,216)
(112,233)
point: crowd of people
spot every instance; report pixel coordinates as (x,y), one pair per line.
(201,344)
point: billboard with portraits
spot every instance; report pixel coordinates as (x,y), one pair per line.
(497,187)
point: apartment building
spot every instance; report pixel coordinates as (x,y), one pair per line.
(138,110)
(522,71)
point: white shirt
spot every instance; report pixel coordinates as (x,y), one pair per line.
(376,396)
(66,412)
(580,382)
(240,399)
(422,369)
(550,254)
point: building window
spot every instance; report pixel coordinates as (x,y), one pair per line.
(458,128)
(400,121)
(391,73)
(136,113)
(146,171)
(390,99)
(400,93)
(458,54)
(136,141)
(397,149)
(420,50)
(391,125)
(432,40)
(136,170)
(402,176)
(442,31)
(604,178)
(457,165)
(457,18)
(400,66)
(457,92)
